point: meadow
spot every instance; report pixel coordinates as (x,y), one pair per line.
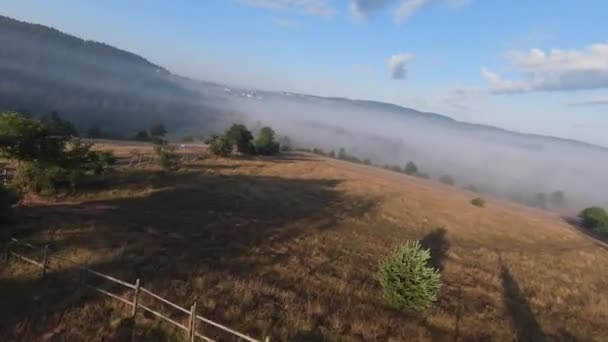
(288,247)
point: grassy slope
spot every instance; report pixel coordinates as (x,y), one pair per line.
(289,247)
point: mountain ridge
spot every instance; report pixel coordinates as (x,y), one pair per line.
(105,50)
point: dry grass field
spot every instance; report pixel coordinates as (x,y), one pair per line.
(288,247)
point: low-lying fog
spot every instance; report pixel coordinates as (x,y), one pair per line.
(504,163)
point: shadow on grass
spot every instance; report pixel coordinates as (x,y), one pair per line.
(186,225)
(437,242)
(523,320)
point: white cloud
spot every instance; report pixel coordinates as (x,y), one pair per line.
(320,8)
(361,9)
(397,65)
(408,7)
(556,70)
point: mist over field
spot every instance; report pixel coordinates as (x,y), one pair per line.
(509,164)
(94,84)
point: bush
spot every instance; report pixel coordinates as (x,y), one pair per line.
(265,143)
(221,146)
(448,180)
(77,160)
(408,282)
(7,199)
(165,154)
(44,178)
(48,154)
(240,136)
(411,169)
(595,218)
(478,202)
(79,157)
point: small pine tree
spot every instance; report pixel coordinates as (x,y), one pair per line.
(408,282)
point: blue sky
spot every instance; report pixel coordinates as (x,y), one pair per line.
(535,66)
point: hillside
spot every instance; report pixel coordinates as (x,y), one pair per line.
(88,82)
(104,89)
(288,247)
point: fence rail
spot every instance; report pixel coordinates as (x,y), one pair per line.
(134,303)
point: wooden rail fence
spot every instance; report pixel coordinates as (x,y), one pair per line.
(191,327)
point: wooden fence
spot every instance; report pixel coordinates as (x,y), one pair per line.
(190,327)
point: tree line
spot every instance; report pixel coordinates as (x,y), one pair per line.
(239,136)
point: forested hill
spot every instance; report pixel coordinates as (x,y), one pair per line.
(91,83)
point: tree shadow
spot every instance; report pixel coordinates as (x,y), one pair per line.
(523,320)
(437,242)
(187,224)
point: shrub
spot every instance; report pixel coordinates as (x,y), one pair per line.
(478,202)
(221,146)
(265,143)
(7,199)
(448,180)
(79,157)
(411,169)
(43,178)
(240,136)
(595,218)
(408,282)
(76,161)
(165,154)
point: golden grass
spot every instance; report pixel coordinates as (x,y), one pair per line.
(288,248)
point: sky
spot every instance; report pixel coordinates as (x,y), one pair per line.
(532,66)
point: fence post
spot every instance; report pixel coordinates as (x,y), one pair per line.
(192,325)
(45,260)
(135,298)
